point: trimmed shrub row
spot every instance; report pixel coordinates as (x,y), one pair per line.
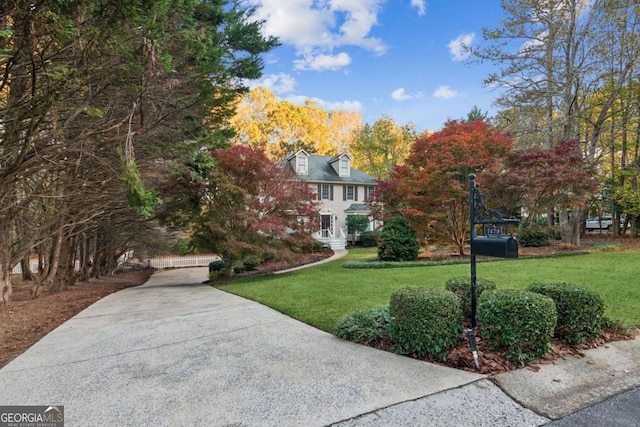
(461,286)
(428,322)
(520,321)
(375,263)
(580,311)
(365,326)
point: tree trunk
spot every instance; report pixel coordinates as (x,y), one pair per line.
(25,266)
(85,265)
(60,280)
(5,283)
(40,261)
(565,234)
(574,224)
(52,268)
(97,256)
(5,264)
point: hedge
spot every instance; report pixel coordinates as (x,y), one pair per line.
(427,322)
(522,322)
(580,311)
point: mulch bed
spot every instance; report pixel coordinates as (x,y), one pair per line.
(25,321)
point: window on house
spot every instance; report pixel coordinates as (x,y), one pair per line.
(325,192)
(369,193)
(344,167)
(350,190)
(302,165)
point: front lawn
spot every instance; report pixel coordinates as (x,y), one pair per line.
(320,296)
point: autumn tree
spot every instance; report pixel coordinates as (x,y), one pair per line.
(534,178)
(431,188)
(342,126)
(252,207)
(378,148)
(618,160)
(554,57)
(280,127)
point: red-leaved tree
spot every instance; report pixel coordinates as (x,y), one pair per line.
(252,207)
(539,179)
(431,188)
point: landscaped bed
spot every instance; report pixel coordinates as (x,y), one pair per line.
(321,296)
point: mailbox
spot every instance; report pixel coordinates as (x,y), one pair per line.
(501,247)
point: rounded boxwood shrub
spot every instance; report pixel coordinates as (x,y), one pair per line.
(365,326)
(535,235)
(217,268)
(427,322)
(522,322)
(397,242)
(580,311)
(217,265)
(461,286)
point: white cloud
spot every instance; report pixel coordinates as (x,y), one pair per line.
(445,92)
(420,5)
(348,106)
(316,28)
(401,95)
(359,17)
(459,47)
(277,83)
(295,22)
(323,62)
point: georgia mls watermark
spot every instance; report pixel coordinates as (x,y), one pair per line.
(31,416)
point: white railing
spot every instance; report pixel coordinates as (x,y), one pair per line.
(182,261)
(17,269)
(160,262)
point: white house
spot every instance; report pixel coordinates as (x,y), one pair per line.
(341,189)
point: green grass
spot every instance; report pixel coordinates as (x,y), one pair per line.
(322,295)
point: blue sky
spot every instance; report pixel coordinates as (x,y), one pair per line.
(401,58)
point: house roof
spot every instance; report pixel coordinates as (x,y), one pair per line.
(320,170)
(292,155)
(358,207)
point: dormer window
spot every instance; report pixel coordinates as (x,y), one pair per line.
(344,166)
(302,165)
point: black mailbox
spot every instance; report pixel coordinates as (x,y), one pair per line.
(501,247)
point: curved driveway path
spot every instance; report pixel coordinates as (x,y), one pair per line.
(175,352)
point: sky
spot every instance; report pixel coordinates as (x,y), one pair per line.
(400,58)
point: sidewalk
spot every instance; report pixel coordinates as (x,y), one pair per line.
(176,352)
(337,254)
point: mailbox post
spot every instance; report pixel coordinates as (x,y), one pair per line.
(491,243)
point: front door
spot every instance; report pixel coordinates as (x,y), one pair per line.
(327,225)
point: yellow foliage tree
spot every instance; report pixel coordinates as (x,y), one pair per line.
(343,125)
(280,127)
(377,149)
(250,120)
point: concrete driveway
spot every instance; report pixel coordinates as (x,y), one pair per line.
(175,352)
